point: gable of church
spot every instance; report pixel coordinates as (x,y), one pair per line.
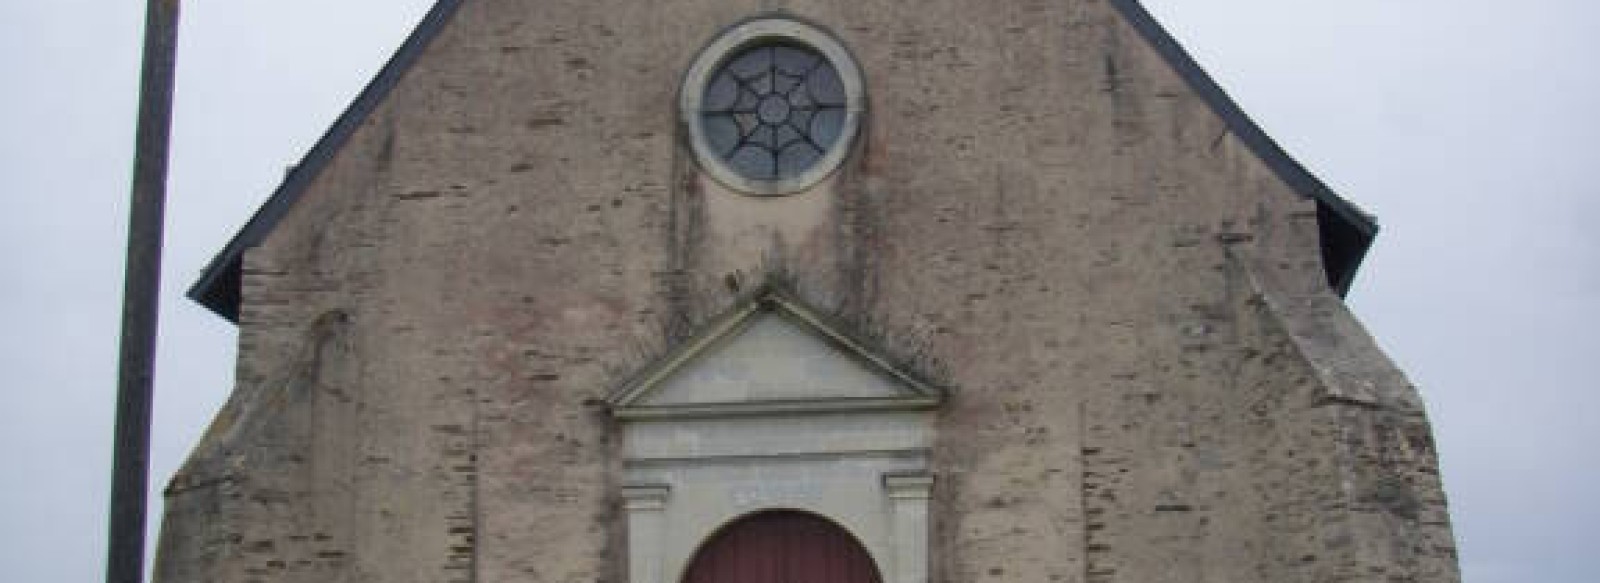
(1347,232)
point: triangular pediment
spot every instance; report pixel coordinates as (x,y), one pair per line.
(769,355)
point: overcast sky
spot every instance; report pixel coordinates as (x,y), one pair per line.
(1467,126)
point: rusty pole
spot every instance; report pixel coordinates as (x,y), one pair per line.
(130,472)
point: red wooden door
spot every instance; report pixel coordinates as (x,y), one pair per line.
(782,547)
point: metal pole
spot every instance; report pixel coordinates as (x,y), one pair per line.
(130,473)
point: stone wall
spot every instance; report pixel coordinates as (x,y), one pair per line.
(1040,217)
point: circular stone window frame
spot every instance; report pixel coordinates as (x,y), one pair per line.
(731,44)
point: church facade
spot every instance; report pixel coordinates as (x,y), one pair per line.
(860,291)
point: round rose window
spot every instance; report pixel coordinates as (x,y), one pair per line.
(772,106)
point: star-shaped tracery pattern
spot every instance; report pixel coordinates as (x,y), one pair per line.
(772,111)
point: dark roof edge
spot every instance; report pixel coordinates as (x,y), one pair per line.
(1352,219)
(218,287)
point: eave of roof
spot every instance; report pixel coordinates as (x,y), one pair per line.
(219,285)
(1347,231)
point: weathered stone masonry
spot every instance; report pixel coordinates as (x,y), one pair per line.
(1124,295)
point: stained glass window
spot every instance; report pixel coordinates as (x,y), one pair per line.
(772,111)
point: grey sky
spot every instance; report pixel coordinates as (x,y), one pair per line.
(1465,125)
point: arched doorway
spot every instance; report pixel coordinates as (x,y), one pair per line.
(782,546)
